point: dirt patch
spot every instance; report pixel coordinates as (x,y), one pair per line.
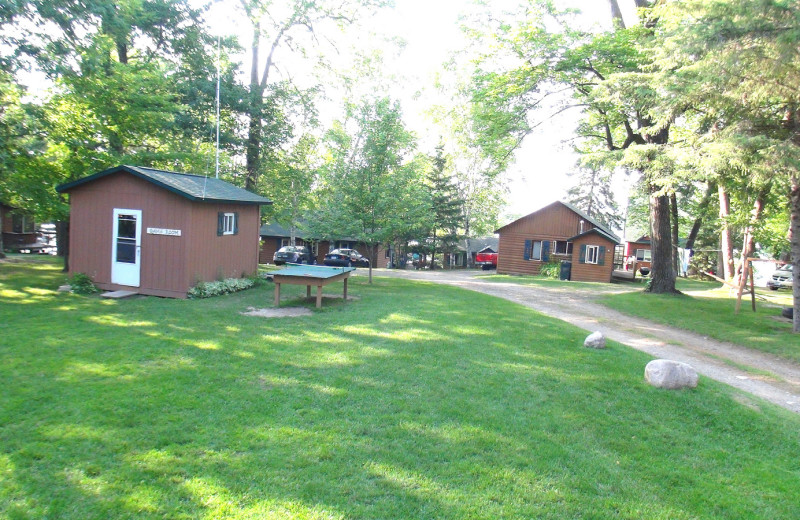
(284,312)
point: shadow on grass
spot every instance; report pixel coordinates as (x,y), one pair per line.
(417,401)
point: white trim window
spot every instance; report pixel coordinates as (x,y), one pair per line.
(536,254)
(643,255)
(561,247)
(592,254)
(229,223)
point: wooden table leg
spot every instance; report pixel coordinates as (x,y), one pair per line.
(345,290)
(308,291)
(277,295)
(319,296)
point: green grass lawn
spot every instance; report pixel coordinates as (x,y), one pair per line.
(414,401)
(709,309)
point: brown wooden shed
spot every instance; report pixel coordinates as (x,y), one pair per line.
(18,228)
(159,233)
(557,232)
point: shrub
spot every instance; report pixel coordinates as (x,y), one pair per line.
(82,284)
(550,270)
(228,285)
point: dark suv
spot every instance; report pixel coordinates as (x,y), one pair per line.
(293,255)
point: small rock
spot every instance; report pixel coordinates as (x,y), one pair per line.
(595,340)
(672,375)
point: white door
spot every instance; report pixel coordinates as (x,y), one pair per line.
(126,247)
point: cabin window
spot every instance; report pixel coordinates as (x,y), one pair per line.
(21,224)
(227,223)
(536,254)
(643,255)
(227,226)
(592,254)
(537,250)
(284,242)
(561,247)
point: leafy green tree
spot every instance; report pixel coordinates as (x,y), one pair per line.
(365,177)
(295,25)
(737,61)
(593,194)
(291,183)
(604,73)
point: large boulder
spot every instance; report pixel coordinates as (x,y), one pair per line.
(595,340)
(673,375)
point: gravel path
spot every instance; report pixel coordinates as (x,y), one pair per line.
(764,375)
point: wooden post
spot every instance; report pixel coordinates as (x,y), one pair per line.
(345,290)
(753,288)
(319,296)
(308,291)
(742,285)
(277,295)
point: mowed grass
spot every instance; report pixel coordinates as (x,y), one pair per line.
(414,401)
(709,309)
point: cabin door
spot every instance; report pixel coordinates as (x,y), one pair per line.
(126,247)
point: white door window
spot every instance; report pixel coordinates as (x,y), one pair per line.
(126,247)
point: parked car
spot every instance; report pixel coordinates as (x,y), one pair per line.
(293,255)
(782,278)
(346,257)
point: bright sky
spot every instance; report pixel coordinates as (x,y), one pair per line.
(431,30)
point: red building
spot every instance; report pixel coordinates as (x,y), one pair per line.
(160,233)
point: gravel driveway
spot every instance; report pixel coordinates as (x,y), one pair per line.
(764,375)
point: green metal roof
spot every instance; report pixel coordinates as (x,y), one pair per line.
(197,188)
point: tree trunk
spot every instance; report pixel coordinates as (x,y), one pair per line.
(673,206)
(2,248)
(726,242)
(748,242)
(254,112)
(62,242)
(616,13)
(661,272)
(794,230)
(701,208)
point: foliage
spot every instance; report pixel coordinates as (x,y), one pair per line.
(368,409)
(736,63)
(446,207)
(80,283)
(550,270)
(592,194)
(220,287)
(539,53)
(366,182)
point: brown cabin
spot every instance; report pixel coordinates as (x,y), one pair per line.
(18,228)
(274,236)
(638,254)
(557,232)
(159,233)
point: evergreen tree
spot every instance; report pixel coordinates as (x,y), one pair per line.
(446,206)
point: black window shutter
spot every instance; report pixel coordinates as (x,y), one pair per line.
(582,257)
(545,250)
(220,223)
(236,223)
(601,256)
(528,247)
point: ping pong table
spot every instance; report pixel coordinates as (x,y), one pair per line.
(308,275)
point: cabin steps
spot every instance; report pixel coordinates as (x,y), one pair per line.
(118,294)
